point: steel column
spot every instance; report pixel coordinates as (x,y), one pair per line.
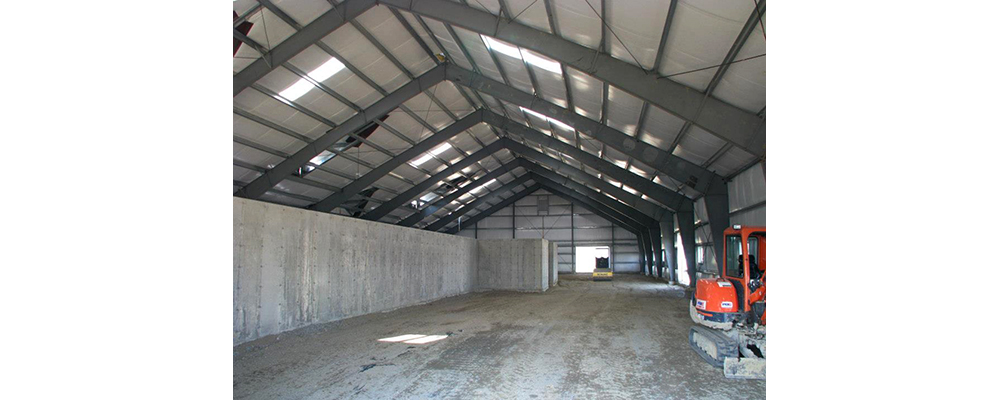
(670,251)
(685,222)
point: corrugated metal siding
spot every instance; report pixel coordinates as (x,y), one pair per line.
(556,225)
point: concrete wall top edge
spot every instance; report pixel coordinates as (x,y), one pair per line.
(351,219)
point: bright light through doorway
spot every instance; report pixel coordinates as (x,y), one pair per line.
(413,339)
(586,257)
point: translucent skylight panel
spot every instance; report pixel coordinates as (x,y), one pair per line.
(526,55)
(297,89)
(429,197)
(437,150)
(551,120)
(323,157)
(327,70)
(541,62)
(478,189)
(320,74)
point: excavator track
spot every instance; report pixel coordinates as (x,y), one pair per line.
(712,345)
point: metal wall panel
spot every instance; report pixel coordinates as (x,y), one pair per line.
(557,225)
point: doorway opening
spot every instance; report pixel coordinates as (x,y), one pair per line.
(586,257)
(682,266)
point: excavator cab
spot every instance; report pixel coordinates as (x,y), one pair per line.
(745,267)
(729,311)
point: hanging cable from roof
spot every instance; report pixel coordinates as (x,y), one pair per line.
(714,66)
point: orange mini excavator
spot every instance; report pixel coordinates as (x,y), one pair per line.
(729,311)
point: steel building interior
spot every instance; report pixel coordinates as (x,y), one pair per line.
(419,184)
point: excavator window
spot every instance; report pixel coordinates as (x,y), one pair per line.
(754,256)
(734,256)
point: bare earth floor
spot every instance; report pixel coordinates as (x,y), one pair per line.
(625,339)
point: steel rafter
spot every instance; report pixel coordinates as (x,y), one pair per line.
(430,209)
(742,128)
(425,185)
(444,221)
(307,36)
(665,196)
(699,178)
(497,207)
(381,107)
(334,200)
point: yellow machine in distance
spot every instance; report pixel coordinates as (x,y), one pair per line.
(602,271)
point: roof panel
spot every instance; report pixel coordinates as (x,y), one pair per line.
(421,32)
(448,94)
(477,49)
(516,72)
(588,93)
(263,135)
(529,12)
(303,11)
(268,108)
(638,24)
(429,111)
(660,128)
(384,26)
(441,34)
(698,146)
(244,175)
(744,84)
(731,161)
(343,82)
(490,6)
(272,197)
(700,36)
(268,30)
(254,156)
(623,110)
(551,85)
(325,177)
(577,22)
(359,52)
(347,167)
(302,189)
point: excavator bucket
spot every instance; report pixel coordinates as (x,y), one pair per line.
(744,368)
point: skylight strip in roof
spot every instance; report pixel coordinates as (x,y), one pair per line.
(426,157)
(303,86)
(520,54)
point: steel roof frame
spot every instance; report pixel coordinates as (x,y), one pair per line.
(744,129)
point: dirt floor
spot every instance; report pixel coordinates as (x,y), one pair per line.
(625,339)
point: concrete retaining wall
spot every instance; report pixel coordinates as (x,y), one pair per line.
(513,264)
(294,267)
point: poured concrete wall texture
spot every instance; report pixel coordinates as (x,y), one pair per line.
(513,264)
(295,267)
